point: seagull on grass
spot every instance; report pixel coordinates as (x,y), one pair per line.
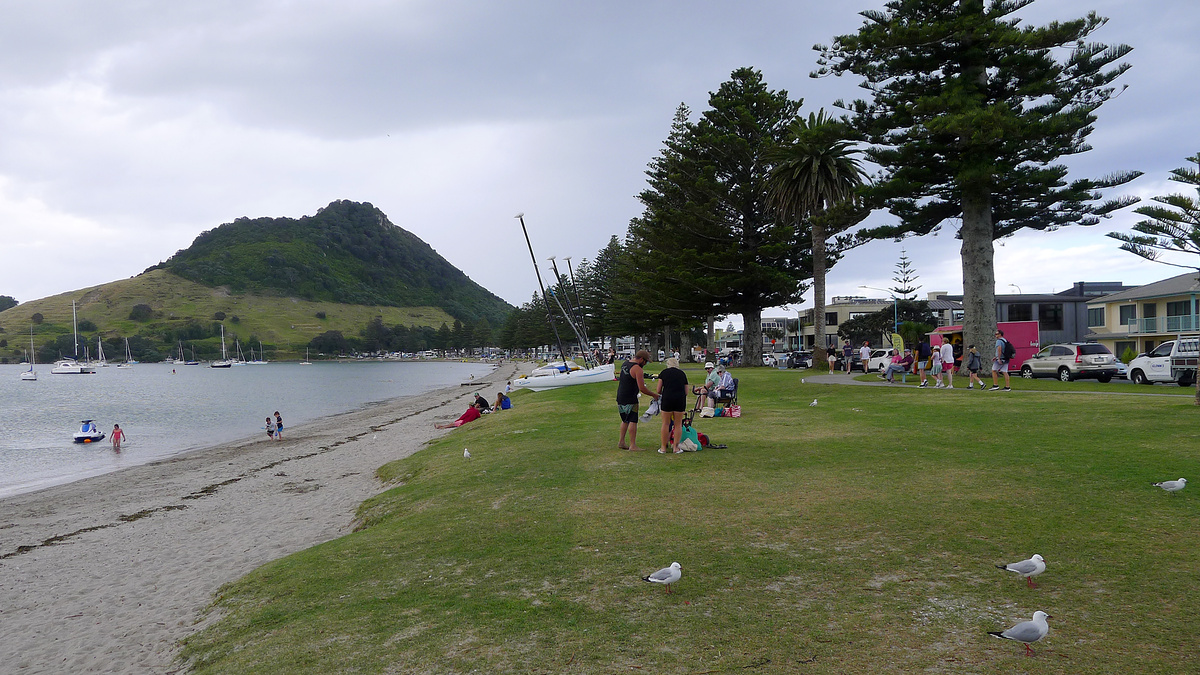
(1026,631)
(813,404)
(667,575)
(1172,486)
(466,454)
(1027,568)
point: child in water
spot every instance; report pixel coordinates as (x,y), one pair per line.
(116,437)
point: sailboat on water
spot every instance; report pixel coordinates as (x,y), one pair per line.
(31,374)
(262,356)
(224,362)
(306,362)
(72,366)
(128,357)
(100,360)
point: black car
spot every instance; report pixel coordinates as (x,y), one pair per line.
(799,360)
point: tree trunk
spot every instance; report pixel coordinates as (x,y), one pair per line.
(979,275)
(820,356)
(712,338)
(752,337)
(685,346)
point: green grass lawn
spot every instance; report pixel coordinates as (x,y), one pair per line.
(860,535)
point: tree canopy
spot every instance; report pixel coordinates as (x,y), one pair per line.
(969,115)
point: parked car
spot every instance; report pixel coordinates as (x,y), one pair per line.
(1154,366)
(880,359)
(855,362)
(1072,361)
(769,360)
(799,360)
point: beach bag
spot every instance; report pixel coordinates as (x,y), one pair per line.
(689,435)
(688,445)
(707,411)
(735,410)
(718,412)
(1009,351)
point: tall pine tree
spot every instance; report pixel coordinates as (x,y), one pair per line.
(969,114)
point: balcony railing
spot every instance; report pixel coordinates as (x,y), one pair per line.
(1165,324)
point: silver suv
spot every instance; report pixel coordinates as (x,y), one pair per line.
(1072,361)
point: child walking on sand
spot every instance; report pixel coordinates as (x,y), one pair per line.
(278,426)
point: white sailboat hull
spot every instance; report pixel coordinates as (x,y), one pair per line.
(558,379)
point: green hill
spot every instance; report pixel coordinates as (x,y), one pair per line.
(347,252)
(185,311)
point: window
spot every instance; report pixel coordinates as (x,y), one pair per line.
(1095,317)
(1050,316)
(831,318)
(1178,308)
(1020,312)
(1120,347)
(1059,350)
(1149,310)
(1128,315)
(1093,348)
(1162,350)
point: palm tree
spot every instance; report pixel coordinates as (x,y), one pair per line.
(813,174)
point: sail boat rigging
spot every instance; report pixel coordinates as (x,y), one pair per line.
(72,366)
(224,362)
(31,374)
(552,378)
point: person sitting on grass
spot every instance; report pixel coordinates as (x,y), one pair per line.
(502,402)
(472,414)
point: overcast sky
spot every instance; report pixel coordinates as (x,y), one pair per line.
(129,127)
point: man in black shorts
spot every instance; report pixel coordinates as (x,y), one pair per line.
(628,386)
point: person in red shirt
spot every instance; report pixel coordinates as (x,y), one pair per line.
(470,415)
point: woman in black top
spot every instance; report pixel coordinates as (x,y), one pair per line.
(672,390)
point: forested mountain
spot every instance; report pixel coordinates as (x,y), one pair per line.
(348,252)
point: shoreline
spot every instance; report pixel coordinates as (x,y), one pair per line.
(110,572)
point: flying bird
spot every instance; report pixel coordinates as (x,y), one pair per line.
(1026,631)
(1172,485)
(813,404)
(466,454)
(1027,568)
(667,575)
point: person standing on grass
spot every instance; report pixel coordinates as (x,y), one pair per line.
(116,437)
(948,363)
(936,369)
(922,359)
(629,385)
(974,362)
(672,390)
(999,363)
(847,355)
(864,355)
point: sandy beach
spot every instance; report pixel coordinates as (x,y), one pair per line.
(108,574)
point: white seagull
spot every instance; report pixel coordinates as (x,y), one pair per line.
(1172,485)
(466,454)
(667,575)
(1026,631)
(813,404)
(1027,568)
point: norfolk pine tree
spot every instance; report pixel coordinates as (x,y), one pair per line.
(968,116)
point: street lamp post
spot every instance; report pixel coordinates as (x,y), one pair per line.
(895,307)
(1018,289)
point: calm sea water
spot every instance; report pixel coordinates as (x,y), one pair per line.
(168,409)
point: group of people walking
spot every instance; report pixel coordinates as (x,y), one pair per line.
(942,364)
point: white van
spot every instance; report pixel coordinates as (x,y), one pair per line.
(880,359)
(1153,367)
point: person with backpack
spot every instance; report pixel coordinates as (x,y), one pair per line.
(923,353)
(1004,353)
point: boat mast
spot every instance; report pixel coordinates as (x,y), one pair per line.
(75,325)
(549,312)
(572,318)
